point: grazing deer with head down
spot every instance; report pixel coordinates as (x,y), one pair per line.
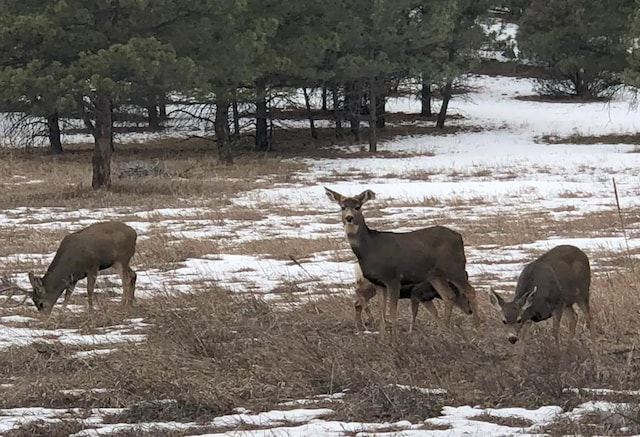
(548,287)
(83,254)
(418,293)
(391,259)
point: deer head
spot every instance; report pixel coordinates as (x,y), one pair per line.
(515,313)
(39,294)
(352,217)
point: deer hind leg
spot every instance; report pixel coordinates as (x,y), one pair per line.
(586,310)
(557,318)
(570,313)
(415,304)
(364,293)
(128,277)
(91,284)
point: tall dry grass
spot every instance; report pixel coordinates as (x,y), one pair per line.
(211,351)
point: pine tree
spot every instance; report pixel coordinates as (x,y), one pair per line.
(579,42)
(89,57)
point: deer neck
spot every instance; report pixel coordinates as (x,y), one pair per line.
(55,284)
(359,241)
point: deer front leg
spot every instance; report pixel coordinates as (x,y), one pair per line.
(357,306)
(382,304)
(393,290)
(471,295)
(447,295)
(67,294)
(91,283)
(431,307)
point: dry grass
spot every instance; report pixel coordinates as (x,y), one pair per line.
(195,174)
(219,351)
(286,248)
(210,351)
(591,139)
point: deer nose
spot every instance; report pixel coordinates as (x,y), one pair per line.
(513,339)
(348,219)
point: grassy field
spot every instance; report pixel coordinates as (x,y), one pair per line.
(208,351)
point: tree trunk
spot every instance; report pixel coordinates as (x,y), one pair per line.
(262,140)
(446,96)
(236,119)
(221,128)
(425,98)
(324,98)
(312,125)
(381,110)
(153,117)
(337,113)
(353,102)
(162,109)
(53,125)
(103,148)
(373,120)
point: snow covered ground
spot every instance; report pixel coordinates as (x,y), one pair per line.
(503,164)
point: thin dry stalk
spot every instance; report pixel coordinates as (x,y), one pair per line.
(624,229)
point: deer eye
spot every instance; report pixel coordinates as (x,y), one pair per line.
(504,322)
(358,208)
(519,320)
(343,208)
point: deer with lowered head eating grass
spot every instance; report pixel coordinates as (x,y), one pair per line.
(418,293)
(548,287)
(83,254)
(391,259)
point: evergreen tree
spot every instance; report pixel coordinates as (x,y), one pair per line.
(89,56)
(226,39)
(579,42)
(631,74)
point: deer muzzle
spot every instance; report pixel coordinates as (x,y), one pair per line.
(512,339)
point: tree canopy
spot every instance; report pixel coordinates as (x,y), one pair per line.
(68,58)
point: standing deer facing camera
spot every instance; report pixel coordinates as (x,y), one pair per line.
(548,287)
(83,254)
(391,259)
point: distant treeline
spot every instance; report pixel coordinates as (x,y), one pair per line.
(90,60)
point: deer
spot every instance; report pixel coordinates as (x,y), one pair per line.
(391,259)
(82,254)
(548,287)
(418,293)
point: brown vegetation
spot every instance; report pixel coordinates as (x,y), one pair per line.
(209,351)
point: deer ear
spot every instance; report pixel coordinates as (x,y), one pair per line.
(336,197)
(495,299)
(529,297)
(36,283)
(365,196)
